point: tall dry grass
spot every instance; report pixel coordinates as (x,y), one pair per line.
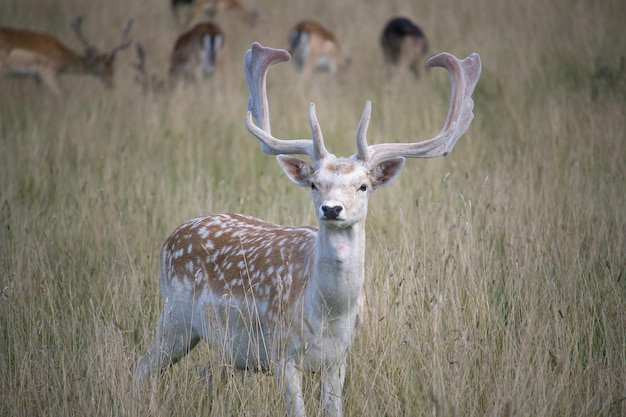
(495,276)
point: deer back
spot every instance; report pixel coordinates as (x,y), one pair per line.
(238,256)
(22,48)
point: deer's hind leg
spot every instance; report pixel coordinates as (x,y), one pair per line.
(176,336)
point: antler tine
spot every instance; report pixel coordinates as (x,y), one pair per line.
(125,42)
(463,76)
(319,150)
(257,61)
(76,26)
(467,77)
(361,133)
(141,55)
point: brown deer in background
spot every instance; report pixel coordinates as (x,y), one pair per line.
(280,298)
(313,46)
(44,56)
(212,8)
(198,53)
(404,48)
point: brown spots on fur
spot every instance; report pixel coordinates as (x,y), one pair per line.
(240,256)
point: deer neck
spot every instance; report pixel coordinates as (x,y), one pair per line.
(71,61)
(338,270)
(78,67)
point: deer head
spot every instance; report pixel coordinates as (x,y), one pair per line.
(381,162)
(97,63)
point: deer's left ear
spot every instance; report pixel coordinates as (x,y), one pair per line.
(296,169)
(386,171)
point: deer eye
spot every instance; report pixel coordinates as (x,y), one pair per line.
(313,187)
(363,187)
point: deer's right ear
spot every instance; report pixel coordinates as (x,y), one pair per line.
(296,169)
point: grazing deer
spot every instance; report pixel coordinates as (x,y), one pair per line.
(198,53)
(175,4)
(404,48)
(288,299)
(212,8)
(44,56)
(312,46)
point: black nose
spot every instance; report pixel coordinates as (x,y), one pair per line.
(331,212)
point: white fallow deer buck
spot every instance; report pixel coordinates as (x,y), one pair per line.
(44,56)
(404,48)
(313,46)
(288,299)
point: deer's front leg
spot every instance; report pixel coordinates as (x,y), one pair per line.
(49,77)
(290,382)
(332,387)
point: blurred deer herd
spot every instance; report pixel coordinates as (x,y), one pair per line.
(198,52)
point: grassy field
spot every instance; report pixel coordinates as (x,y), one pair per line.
(495,276)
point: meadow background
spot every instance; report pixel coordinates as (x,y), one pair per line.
(495,276)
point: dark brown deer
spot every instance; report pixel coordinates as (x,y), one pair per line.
(404,48)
